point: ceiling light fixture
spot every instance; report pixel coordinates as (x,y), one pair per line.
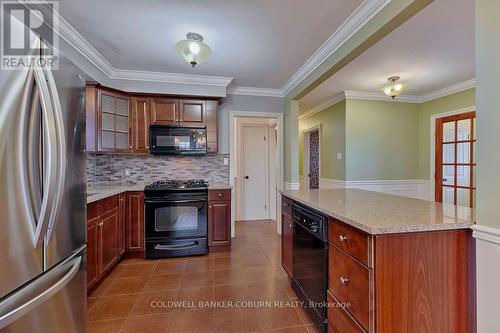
(394,89)
(193,50)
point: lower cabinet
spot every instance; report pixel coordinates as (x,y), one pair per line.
(286,235)
(219,219)
(135,222)
(105,232)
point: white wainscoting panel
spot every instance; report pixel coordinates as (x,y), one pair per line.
(291,186)
(487,275)
(419,189)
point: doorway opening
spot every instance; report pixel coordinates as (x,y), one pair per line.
(312,157)
(256,166)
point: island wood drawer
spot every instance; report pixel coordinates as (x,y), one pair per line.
(286,206)
(339,321)
(222,194)
(349,282)
(350,240)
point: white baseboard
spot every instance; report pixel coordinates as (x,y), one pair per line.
(291,186)
(411,188)
(488,275)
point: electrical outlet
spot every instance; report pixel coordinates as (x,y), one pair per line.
(226,160)
(339,156)
(126,172)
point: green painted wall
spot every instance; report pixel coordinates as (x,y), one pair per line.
(381,140)
(332,121)
(461,100)
(488,120)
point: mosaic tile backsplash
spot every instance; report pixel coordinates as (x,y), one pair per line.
(108,168)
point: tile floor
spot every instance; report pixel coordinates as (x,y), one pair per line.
(180,294)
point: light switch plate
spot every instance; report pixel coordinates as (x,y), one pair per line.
(226,160)
(339,156)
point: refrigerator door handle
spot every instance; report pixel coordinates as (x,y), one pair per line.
(37,292)
(38,222)
(60,151)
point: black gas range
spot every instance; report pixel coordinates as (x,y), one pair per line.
(176,218)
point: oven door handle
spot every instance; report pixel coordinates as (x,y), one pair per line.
(174,201)
(177,246)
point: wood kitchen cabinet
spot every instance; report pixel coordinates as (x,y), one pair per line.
(192,113)
(411,282)
(219,219)
(104,233)
(122,224)
(118,122)
(164,111)
(286,235)
(211,119)
(141,119)
(92,244)
(135,222)
(113,121)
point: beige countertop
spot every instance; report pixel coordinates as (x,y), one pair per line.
(378,213)
(99,192)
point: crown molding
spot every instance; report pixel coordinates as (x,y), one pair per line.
(331,101)
(254,91)
(149,76)
(453,89)
(364,13)
(378,96)
(82,46)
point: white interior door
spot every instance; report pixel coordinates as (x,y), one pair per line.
(255,173)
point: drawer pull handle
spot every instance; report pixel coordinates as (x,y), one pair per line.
(342,238)
(344,280)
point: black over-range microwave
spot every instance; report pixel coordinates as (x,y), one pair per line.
(175,140)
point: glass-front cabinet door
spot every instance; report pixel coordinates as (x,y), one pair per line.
(114,122)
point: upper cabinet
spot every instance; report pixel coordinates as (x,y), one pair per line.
(141,119)
(192,113)
(113,122)
(165,111)
(119,122)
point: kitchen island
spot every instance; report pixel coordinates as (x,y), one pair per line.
(395,264)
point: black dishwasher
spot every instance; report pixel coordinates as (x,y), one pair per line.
(310,261)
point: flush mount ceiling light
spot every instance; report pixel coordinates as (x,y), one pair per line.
(193,50)
(394,89)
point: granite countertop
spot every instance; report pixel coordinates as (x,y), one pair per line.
(378,213)
(99,192)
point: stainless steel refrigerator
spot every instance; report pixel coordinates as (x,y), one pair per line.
(42,199)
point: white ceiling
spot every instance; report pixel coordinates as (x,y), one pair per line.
(259,43)
(432,51)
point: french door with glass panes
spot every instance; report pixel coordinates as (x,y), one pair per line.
(455,159)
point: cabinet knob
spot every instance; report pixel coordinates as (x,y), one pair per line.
(129,147)
(344,280)
(209,206)
(290,225)
(220,195)
(147,147)
(342,238)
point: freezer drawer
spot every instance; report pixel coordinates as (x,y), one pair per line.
(53,302)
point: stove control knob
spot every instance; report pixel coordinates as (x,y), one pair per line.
(315,228)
